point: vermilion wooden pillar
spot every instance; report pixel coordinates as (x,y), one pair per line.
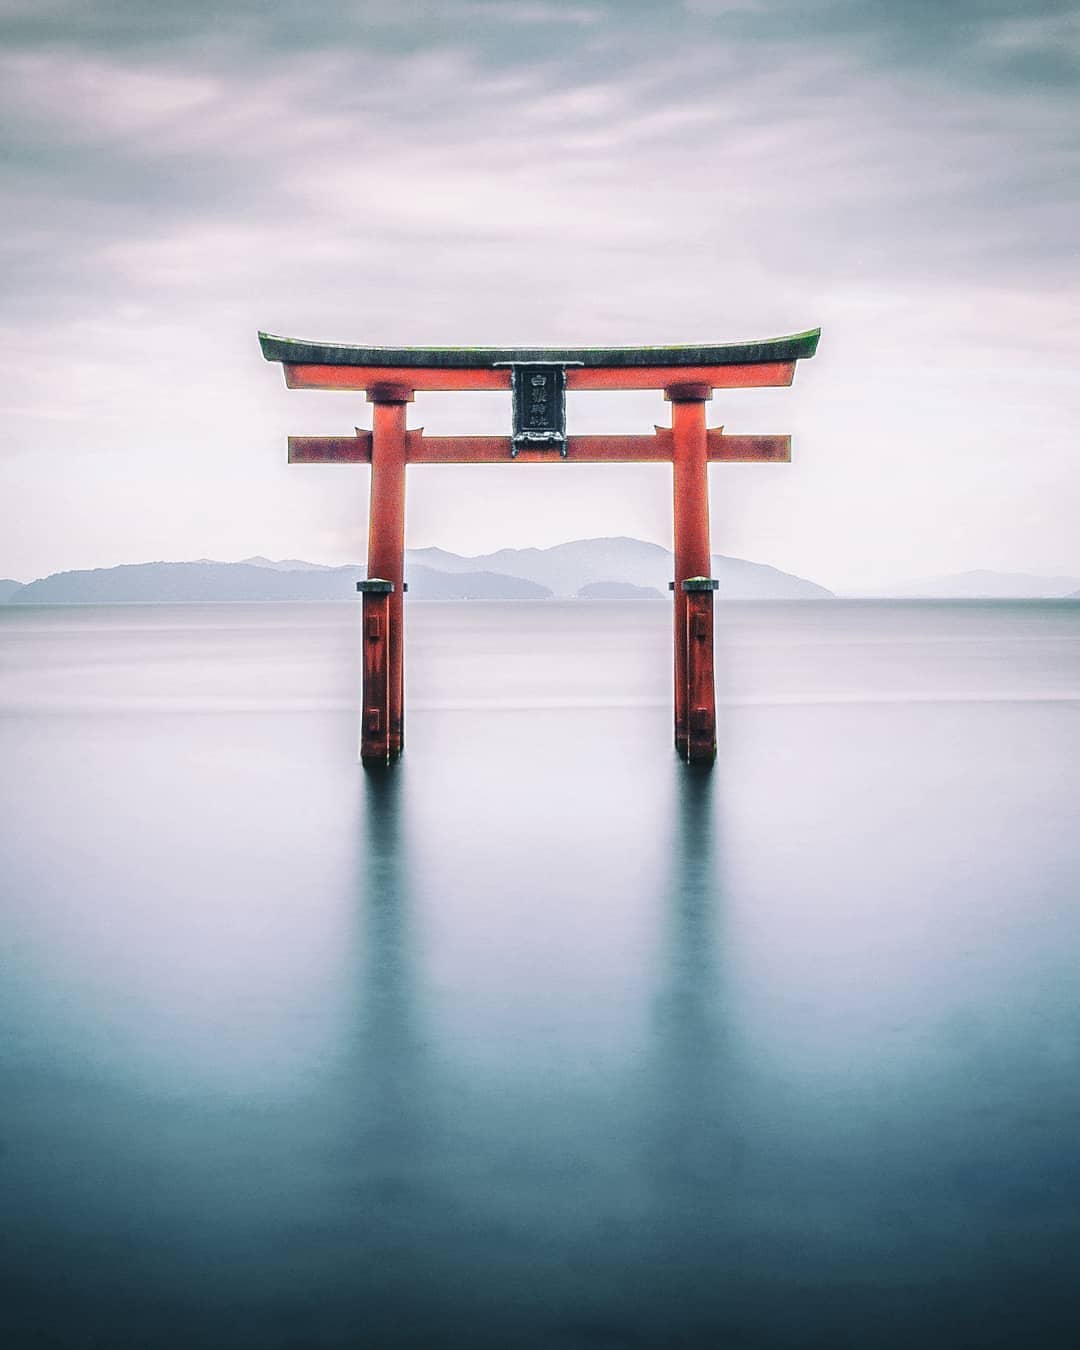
(386,538)
(691,514)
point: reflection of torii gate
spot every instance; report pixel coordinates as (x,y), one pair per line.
(539,378)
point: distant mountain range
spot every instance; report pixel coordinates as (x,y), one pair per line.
(586,569)
(567,568)
(216,581)
(618,568)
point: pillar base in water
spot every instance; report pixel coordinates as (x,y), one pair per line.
(700,745)
(375,743)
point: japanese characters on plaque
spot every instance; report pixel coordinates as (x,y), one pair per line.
(539,407)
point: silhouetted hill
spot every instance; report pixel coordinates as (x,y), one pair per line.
(163,582)
(427,584)
(158,582)
(618,590)
(566,568)
(742,580)
(286,564)
(8,589)
(632,567)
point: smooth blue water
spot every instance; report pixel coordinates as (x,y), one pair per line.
(540,1039)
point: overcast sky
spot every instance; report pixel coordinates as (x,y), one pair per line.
(904,175)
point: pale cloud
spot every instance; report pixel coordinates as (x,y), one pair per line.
(91,99)
(1035,33)
(509,12)
(713,8)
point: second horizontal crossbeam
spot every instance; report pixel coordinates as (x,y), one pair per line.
(655,449)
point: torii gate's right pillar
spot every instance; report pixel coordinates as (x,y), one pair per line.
(386,550)
(690,482)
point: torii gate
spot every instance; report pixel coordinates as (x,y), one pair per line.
(538,378)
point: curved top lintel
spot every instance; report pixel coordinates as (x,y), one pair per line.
(296,351)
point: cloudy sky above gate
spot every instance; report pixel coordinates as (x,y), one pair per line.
(406,171)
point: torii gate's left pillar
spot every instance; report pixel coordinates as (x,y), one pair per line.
(386,548)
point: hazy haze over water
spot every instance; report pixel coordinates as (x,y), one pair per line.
(540,1039)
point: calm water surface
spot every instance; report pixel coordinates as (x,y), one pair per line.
(540,1039)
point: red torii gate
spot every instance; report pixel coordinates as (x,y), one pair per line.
(538,378)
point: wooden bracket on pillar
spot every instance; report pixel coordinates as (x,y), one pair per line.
(700,682)
(688,393)
(375,725)
(390,393)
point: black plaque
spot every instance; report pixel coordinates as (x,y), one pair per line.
(539,407)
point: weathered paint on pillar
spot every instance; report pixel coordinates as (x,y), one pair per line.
(375,711)
(700,681)
(386,537)
(690,483)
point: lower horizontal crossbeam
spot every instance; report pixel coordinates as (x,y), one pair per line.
(656,449)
